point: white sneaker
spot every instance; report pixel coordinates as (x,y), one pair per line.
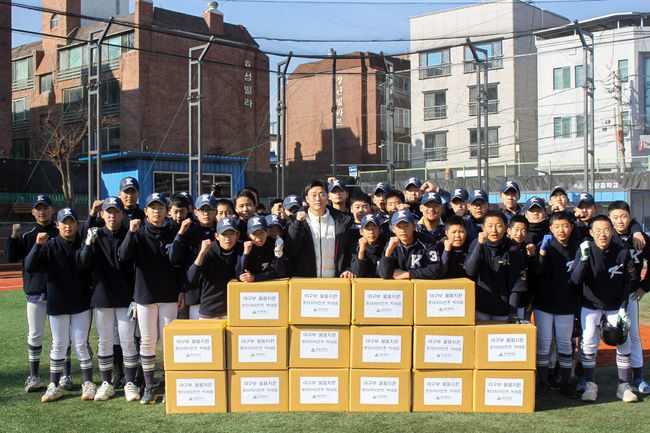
(88,390)
(131,392)
(33,383)
(105,392)
(591,392)
(52,393)
(65,382)
(624,392)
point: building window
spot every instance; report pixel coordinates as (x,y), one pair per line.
(562,127)
(435,63)
(114,46)
(111,139)
(72,58)
(45,83)
(169,183)
(625,115)
(579,76)
(435,146)
(494,56)
(492,96)
(580,126)
(20,110)
(110,93)
(20,148)
(493,142)
(223,180)
(622,69)
(562,77)
(54,22)
(73,99)
(435,105)
(401,119)
(22,74)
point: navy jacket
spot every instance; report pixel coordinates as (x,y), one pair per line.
(368,266)
(112,278)
(262,263)
(421,259)
(453,262)
(637,259)
(97,221)
(68,287)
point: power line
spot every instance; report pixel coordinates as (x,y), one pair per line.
(404,3)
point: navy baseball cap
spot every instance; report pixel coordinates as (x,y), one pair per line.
(478,194)
(274,220)
(369,219)
(336,184)
(460,193)
(257,223)
(585,197)
(413,181)
(156,196)
(558,188)
(187,196)
(402,215)
(383,186)
(509,185)
(532,202)
(41,199)
(291,201)
(431,196)
(113,202)
(205,200)
(225,224)
(65,213)
(129,182)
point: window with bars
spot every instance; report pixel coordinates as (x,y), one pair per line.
(492,96)
(435,105)
(494,56)
(493,142)
(435,63)
(435,146)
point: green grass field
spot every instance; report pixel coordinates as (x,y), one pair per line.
(25,412)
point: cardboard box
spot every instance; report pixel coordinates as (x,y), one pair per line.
(195,392)
(258,391)
(503,346)
(504,391)
(382,302)
(258,304)
(319,346)
(256,348)
(319,390)
(443,390)
(443,347)
(319,301)
(383,347)
(444,302)
(380,390)
(194,345)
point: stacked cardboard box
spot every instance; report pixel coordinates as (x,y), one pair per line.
(195,377)
(319,344)
(443,345)
(256,346)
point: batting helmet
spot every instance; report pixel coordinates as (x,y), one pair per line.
(613,335)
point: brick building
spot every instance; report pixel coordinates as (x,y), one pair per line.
(360,114)
(145,83)
(5,79)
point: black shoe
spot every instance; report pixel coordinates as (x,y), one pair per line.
(567,390)
(541,390)
(118,378)
(149,396)
(553,384)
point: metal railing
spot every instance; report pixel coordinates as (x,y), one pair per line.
(20,125)
(112,110)
(435,112)
(22,84)
(495,63)
(493,107)
(434,71)
(80,200)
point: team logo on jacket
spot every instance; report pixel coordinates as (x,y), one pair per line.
(266,266)
(634,255)
(415,260)
(569,264)
(615,270)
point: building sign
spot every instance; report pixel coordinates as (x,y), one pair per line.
(339,100)
(248,84)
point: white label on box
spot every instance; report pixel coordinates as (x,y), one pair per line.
(319,344)
(443,391)
(385,304)
(506,347)
(319,390)
(258,348)
(443,349)
(382,348)
(195,392)
(445,303)
(320,303)
(192,348)
(259,305)
(504,392)
(379,390)
(260,390)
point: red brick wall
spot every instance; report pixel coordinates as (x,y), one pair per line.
(5,80)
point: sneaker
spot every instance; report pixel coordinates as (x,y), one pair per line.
(149,396)
(624,392)
(591,392)
(105,392)
(567,390)
(118,378)
(88,390)
(642,386)
(52,393)
(33,383)
(131,392)
(66,383)
(582,384)
(541,389)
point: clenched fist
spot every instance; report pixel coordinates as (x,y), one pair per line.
(96,207)
(42,238)
(15,231)
(301,215)
(134,225)
(185,226)
(206,245)
(248,247)
(482,238)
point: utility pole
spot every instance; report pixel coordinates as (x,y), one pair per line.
(389,98)
(618,87)
(332,53)
(195,108)
(481,104)
(485,125)
(282,121)
(94,113)
(588,87)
